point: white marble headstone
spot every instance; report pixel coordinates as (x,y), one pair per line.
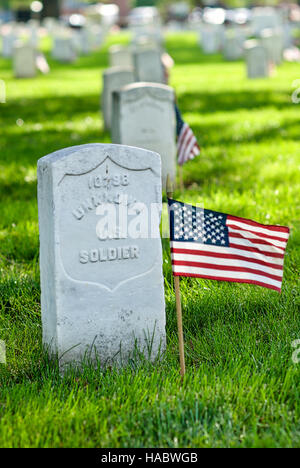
(144,116)
(113,79)
(86,40)
(8,42)
(272,40)
(264,17)
(145,42)
(50,24)
(211,37)
(257,60)
(33,32)
(120,56)
(24,61)
(151,30)
(233,46)
(148,65)
(100,253)
(64,49)
(97,35)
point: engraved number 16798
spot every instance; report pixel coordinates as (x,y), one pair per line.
(104,181)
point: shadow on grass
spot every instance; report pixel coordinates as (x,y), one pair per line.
(192,55)
(71,128)
(43,110)
(209,102)
(34,146)
(98,59)
(65,121)
(50,124)
(216,134)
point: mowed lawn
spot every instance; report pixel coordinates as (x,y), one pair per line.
(242,386)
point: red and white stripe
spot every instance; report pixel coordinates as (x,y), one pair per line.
(255,255)
(187,146)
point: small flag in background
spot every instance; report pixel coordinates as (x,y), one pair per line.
(213,245)
(187,146)
(42,64)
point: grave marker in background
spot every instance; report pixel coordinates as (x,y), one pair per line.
(264,17)
(63,49)
(272,40)
(233,45)
(257,60)
(8,42)
(120,56)
(211,37)
(24,61)
(113,79)
(148,65)
(144,116)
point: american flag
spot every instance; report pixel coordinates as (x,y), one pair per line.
(187,146)
(218,246)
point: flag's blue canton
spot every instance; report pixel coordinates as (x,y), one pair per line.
(191,224)
(179,121)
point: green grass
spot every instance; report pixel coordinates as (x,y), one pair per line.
(241,387)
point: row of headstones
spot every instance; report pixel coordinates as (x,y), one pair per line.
(276,19)
(69,43)
(230,40)
(267,25)
(261,54)
(12,33)
(137,105)
(217,37)
(264,53)
(129,66)
(20,42)
(84,39)
(150,29)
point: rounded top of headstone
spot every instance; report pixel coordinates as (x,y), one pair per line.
(251,43)
(140,89)
(79,159)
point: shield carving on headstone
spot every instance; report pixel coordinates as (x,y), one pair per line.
(106,223)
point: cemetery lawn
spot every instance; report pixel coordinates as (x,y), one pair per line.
(242,386)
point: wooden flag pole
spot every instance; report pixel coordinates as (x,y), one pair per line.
(179,325)
(178,299)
